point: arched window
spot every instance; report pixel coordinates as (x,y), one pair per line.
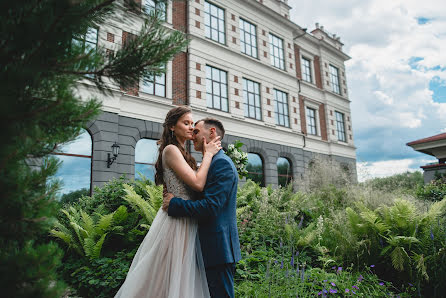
(255,169)
(74,172)
(146,154)
(284,171)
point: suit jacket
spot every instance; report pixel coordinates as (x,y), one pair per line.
(216,213)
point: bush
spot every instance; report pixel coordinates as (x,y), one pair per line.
(433,191)
(101,234)
(74,196)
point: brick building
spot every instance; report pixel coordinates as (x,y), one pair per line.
(279,89)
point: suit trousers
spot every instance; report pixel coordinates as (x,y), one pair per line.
(221,280)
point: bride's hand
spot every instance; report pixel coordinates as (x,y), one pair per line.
(213,146)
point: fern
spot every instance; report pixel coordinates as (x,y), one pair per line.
(399,258)
(138,204)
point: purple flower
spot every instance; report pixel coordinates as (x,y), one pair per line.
(281,244)
(432,235)
(292,261)
(353,292)
(381,283)
(333,291)
(372,266)
(299,226)
(355,287)
(325,280)
(333,284)
(281,264)
(320,293)
(275,262)
(410,284)
(339,270)
(360,277)
(325,291)
(334,267)
(347,290)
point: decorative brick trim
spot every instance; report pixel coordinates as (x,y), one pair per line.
(267,90)
(179,78)
(264,43)
(197,11)
(198,66)
(236,91)
(233,28)
(269,114)
(179,15)
(197,24)
(297,61)
(235,79)
(323,122)
(263,32)
(294,110)
(237,105)
(268,101)
(110,37)
(265,54)
(234,40)
(317,71)
(232,16)
(198,94)
(198,80)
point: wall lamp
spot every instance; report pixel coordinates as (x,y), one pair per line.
(115,151)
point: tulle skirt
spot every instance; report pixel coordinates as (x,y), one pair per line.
(168,263)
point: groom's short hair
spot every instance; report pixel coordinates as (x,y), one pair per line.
(212,122)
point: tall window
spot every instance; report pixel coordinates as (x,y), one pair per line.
(340,126)
(284,171)
(216,89)
(75,170)
(306,70)
(255,169)
(214,21)
(251,95)
(276,51)
(88,41)
(155,85)
(281,99)
(248,38)
(334,77)
(159,6)
(146,154)
(311,121)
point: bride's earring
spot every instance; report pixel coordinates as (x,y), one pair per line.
(171,133)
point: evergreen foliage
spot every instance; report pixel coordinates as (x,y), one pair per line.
(40,110)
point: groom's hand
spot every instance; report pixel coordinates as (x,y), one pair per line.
(167,196)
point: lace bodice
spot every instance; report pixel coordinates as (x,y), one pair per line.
(175,185)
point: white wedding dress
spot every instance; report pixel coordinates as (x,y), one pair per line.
(169,262)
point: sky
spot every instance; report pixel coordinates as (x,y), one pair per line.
(396,76)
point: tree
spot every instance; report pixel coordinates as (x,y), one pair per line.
(40,109)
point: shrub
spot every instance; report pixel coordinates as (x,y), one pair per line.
(433,191)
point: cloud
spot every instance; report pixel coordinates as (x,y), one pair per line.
(396,75)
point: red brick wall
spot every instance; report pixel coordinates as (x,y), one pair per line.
(303,119)
(323,122)
(179,15)
(126,36)
(179,79)
(180,61)
(317,71)
(297,58)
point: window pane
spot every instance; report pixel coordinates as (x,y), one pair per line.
(255,168)
(75,170)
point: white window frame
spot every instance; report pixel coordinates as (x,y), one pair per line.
(243,34)
(208,14)
(343,127)
(280,50)
(335,86)
(315,107)
(311,62)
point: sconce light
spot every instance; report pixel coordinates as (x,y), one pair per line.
(115,151)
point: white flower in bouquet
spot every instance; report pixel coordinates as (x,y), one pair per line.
(239,158)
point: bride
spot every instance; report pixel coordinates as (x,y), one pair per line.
(168,262)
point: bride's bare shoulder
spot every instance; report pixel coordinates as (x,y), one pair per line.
(171,149)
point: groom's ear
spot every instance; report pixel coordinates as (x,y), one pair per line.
(213,133)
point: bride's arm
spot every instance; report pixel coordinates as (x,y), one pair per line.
(196,180)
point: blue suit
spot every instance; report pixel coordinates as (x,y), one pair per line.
(216,214)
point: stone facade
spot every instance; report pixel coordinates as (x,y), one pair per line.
(131,115)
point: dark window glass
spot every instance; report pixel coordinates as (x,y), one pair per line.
(74,172)
(276,51)
(340,126)
(281,99)
(284,171)
(155,85)
(248,38)
(334,77)
(255,169)
(306,70)
(214,22)
(216,89)
(251,96)
(159,6)
(311,121)
(146,154)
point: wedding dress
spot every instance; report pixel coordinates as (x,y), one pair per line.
(168,262)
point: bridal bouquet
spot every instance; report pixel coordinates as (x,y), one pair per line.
(239,158)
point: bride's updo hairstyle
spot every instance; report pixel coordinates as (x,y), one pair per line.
(168,138)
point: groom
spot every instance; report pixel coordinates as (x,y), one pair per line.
(216,213)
